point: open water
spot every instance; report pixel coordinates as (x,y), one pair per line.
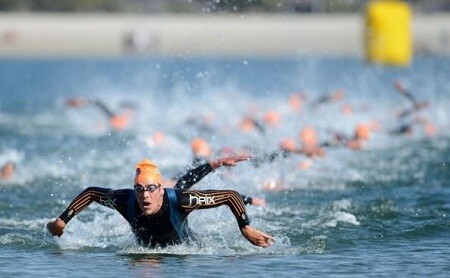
(380,211)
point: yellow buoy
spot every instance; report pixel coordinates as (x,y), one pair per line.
(388,32)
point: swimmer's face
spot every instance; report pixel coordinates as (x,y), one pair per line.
(149,194)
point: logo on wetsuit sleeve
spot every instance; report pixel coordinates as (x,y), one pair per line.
(200,200)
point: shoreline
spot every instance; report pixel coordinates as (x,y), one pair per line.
(112,35)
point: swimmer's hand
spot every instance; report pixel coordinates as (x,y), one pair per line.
(259,202)
(56,227)
(229,160)
(257,237)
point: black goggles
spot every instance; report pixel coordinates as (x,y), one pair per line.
(150,188)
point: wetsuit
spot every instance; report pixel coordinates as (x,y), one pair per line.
(166,227)
(198,173)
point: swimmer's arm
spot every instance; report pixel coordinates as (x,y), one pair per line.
(205,199)
(253,200)
(197,174)
(405,92)
(103,107)
(405,113)
(83,200)
(193,176)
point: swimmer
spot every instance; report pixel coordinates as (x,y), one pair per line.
(416,105)
(333,97)
(360,137)
(157,215)
(118,121)
(7,170)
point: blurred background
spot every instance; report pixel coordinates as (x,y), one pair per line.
(214,27)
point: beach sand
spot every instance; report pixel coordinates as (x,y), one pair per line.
(189,35)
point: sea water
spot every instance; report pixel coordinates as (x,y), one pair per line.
(380,211)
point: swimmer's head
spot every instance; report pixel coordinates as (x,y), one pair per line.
(362,132)
(119,122)
(200,147)
(308,136)
(7,170)
(272,118)
(287,144)
(295,102)
(147,173)
(246,125)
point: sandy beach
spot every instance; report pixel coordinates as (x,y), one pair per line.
(179,35)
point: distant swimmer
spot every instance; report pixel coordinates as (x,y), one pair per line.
(287,147)
(416,105)
(118,121)
(310,146)
(7,171)
(333,97)
(408,129)
(361,136)
(296,101)
(200,150)
(157,215)
(284,151)
(272,118)
(249,124)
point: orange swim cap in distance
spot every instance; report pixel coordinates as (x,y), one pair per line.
(200,147)
(287,144)
(362,132)
(308,136)
(147,170)
(272,117)
(119,122)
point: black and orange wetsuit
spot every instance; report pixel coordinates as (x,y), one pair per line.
(198,173)
(167,226)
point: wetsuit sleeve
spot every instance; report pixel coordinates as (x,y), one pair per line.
(193,176)
(103,196)
(247,199)
(190,200)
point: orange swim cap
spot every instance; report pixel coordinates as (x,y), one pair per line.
(295,102)
(147,171)
(246,125)
(200,147)
(362,132)
(287,144)
(119,121)
(272,117)
(308,136)
(158,137)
